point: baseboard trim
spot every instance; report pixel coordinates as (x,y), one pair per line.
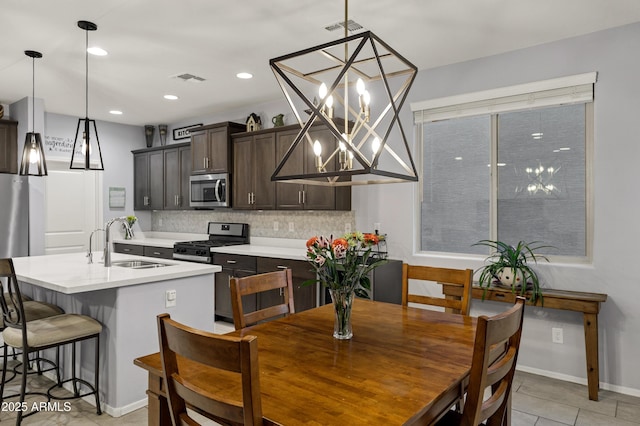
(580,380)
(91,400)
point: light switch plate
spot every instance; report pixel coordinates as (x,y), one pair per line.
(170,299)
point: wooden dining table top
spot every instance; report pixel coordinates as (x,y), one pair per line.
(402,366)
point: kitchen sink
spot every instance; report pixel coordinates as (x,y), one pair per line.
(138,264)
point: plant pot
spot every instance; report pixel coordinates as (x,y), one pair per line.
(511,277)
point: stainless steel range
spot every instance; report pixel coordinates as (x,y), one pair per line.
(220,234)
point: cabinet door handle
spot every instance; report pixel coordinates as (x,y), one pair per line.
(253,198)
(281,267)
(299,197)
(126,250)
(145,200)
(156,253)
(304,197)
(231,262)
(248,198)
(281,292)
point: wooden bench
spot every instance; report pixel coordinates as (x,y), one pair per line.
(577,301)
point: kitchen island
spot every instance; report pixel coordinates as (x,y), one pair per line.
(126,301)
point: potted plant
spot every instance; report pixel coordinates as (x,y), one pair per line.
(509,265)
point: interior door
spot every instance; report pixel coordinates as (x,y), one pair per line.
(73,208)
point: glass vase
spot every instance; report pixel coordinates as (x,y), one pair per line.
(342,303)
(128,232)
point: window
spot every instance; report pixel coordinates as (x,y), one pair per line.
(517,174)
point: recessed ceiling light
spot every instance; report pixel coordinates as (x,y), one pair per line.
(565,149)
(244,75)
(171,97)
(98,51)
(458,158)
(115,112)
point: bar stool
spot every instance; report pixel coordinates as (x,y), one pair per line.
(45,333)
(33,310)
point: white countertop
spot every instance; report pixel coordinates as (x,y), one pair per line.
(264,251)
(70,273)
(280,248)
(160,239)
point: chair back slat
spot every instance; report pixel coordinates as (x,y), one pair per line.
(495,355)
(220,356)
(253,284)
(11,304)
(457,277)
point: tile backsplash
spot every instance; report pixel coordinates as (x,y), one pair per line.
(274,224)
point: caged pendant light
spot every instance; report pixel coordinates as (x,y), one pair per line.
(32,153)
(333,83)
(86,152)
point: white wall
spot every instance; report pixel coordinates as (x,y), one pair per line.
(116,141)
(612,54)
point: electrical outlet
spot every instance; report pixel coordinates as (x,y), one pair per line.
(292,227)
(347,228)
(170,299)
(556,335)
(276,225)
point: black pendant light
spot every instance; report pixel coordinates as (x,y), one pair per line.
(33,155)
(367,142)
(86,152)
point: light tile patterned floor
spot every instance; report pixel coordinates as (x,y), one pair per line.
(537,401)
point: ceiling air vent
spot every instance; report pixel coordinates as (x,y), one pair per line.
(189,77)
(351,26)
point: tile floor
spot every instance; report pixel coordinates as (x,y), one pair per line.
(537,401)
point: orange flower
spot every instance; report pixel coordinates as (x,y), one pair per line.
(372,239)
(311,241)
(340,242)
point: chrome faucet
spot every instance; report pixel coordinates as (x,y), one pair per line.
(107,244)
(89,253)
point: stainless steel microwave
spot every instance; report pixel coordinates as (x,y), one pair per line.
(209,191)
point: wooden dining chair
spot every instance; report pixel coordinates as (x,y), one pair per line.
(255,284)
(495,354)
(459,277)
(219,356)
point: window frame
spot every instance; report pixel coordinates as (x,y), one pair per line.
(454,107)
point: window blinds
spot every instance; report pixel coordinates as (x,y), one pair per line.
(557,91)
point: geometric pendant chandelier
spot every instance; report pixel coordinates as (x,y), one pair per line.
(86,153)
(346,96)
(33,162)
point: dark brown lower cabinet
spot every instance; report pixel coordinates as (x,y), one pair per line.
(136,249)
(304,297)
(241,266)
(386,284)
(161,252)
(233,265)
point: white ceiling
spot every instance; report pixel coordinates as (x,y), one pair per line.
(150,41)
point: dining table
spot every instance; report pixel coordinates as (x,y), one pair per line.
(403,366)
